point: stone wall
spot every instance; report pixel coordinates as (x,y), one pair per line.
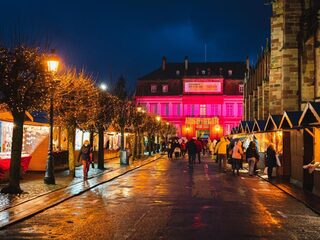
(284,84)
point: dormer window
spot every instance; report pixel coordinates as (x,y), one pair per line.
(241,88)
(229,73)
(165,88)
(177,72)
(153,88)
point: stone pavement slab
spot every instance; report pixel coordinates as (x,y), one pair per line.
(18,209)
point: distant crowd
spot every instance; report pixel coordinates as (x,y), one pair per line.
(224,151)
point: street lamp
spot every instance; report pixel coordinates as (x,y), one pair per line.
(103,87)
(187,129)
(53,65)
(158,118)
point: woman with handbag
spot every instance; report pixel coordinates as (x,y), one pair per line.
(237,154)
(86,156)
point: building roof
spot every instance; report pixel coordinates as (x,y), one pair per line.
(290,119)
(311,114)
(273,122)
(259,125)
(198,69)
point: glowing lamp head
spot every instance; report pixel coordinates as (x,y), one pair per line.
(158,118)
(53,62)
(217,128)
(167,123)
(187,129)
(103,87)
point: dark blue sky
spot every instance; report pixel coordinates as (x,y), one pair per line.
(129,37)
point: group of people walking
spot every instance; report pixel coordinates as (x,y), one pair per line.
(225,151)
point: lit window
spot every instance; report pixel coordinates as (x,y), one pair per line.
(154,108)
(203,72)
(203,110)
(153,88)
(215,109)
(165,88)
(241,88)
(177,72)
(229,110)
(229,73)
(240,109)
(165,109)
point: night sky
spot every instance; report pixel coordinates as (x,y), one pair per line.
(129,37)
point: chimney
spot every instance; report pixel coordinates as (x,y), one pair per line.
(186,63)
(164,63)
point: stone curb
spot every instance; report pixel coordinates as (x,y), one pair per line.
(41,203)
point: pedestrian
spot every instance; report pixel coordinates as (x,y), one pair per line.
(199,148)
(271,160)
(192,150)
(222,153)
(252,156)
(237,154)
(86,157)
(183,148)
(170,149)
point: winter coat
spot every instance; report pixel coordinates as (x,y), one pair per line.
(271,160)
(198,146)
(85,152)
(191,147)
(221,147)
(252,152)
(237,152)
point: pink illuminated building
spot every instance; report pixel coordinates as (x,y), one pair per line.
(201,99)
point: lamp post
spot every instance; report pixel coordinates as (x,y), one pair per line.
(53,65)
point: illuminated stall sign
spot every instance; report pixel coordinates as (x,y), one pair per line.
(202,121)
(203,86)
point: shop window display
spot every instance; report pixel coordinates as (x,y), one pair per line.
(32,137)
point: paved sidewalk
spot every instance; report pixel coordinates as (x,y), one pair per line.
(38,196)
(307,198)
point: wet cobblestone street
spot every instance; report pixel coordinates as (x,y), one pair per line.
(170,200)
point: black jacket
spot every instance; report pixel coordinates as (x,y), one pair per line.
(191,147)
(252,152)
(271,160)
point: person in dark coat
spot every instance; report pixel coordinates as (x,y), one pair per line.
(199,149)
(170,149)
(271,160)
(86,156)
(192,150)
(252,156)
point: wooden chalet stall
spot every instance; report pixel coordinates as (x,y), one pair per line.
(292,157)
(35,143)
(310,121)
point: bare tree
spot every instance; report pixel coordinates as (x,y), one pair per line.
(75,106)
(25,86)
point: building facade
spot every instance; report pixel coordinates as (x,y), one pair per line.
(287,74)
(201,99)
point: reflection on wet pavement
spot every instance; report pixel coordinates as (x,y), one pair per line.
(169,200)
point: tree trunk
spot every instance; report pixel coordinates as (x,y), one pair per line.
(101,149)
(122,138)
(135,145)
(16,149)
(71,149)
(150,145)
